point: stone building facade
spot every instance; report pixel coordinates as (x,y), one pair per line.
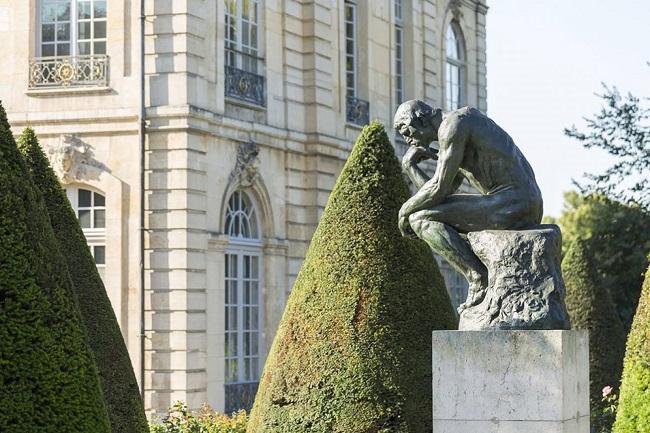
(252,107)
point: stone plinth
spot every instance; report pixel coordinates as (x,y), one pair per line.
(510,382)
(525,288)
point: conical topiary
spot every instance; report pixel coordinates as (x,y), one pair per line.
(590,307)
(118,382)
(48,379)
(633,415)
(353,350)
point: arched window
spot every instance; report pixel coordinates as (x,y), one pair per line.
(241,218)
(454,67)
(243,262)
(90,208)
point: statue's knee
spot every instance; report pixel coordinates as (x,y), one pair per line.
(418,221)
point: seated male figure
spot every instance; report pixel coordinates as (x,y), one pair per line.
(473,147)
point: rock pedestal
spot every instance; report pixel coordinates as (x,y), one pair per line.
(510,382)
(525,287)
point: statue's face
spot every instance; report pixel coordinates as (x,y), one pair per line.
(417,132)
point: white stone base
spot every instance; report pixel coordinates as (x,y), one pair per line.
(510,382)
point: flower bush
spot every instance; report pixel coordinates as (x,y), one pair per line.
(181,420)
(606,416)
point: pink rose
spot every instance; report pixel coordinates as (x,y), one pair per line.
(607,391)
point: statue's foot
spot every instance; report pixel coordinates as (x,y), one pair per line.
(476,291)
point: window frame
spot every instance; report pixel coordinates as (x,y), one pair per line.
(242,51)
(95,236)
(351,92)
(241,247)
(74,30)
(399,51)
(240,251)
(459,64)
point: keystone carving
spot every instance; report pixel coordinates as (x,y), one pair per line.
(247,163)
(73,160)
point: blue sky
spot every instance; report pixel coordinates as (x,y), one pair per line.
(546,60)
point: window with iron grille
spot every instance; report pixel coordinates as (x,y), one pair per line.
(244,65)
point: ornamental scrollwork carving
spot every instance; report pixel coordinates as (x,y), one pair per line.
(247,164)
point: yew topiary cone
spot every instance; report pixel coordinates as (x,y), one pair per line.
(48,379)
(590,307)
(353,350)
(633,415)
(118,382)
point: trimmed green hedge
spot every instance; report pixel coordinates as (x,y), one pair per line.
(590,307)
(119,385)
(182,420)
(48,379)
(353,350)
(633,415)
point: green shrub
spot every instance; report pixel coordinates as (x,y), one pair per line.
(618,238)
(633,414)
(353,349)
(118,382)
(591,308)
(48,379)
(181,420)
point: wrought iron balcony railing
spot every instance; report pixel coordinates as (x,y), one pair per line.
(68,71)
(357,111)
(245,86)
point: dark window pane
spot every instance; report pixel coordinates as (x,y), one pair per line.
(63,12)
(100,48)
(47,33)
(84,30)
(100,200)
(100,219)
(48,13)
(63,32)
(232,324)
(99,251)
(63,49)
(84,219)
(100,30)
(100,9)
(84,48)
(84,198)
(47,50)
(84,10)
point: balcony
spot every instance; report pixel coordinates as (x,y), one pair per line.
(245,86)
(357,111)
(68,72)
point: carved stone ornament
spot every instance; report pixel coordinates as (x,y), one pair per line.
(455,8)
(73,160)
(246,165)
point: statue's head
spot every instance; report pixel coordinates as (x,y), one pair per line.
(417,122)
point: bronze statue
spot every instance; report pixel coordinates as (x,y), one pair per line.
(472,147)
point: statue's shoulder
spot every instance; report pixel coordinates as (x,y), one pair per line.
(456,120)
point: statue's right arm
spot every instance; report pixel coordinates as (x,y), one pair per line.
(412,157)
(415,173)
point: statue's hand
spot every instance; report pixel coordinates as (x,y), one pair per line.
(405,227)
(417,154)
